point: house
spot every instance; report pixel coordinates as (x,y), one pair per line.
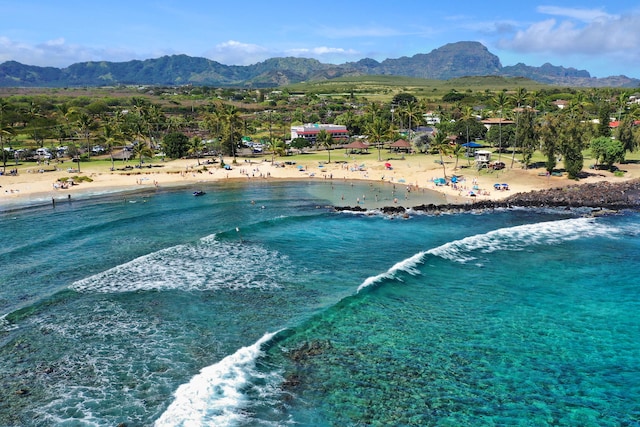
(310,131)
(560,103)
(431,118)
(496,121)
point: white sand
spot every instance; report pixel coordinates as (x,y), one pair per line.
(419,170)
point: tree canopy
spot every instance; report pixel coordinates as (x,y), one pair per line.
(175,145)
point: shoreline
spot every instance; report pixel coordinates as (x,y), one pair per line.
(474,190)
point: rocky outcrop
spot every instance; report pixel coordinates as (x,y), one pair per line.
(598,196)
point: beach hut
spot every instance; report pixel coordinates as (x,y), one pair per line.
(400,145)
(357,146)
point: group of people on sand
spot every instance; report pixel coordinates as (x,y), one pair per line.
(62,185)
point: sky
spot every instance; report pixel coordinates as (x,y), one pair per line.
(602,37)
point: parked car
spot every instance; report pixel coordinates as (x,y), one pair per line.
(496,165)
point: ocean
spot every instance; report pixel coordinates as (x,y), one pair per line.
(257,305)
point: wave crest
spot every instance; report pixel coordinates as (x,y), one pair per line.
(217,394)
(504,239)
(207,265)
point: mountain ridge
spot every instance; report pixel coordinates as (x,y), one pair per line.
(453,60)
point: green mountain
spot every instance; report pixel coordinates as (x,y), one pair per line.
(450,61)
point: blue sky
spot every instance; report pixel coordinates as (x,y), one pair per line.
(602,38)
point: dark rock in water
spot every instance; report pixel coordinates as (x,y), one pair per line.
(606,196)
(390,210)
(308,349)
(350,208)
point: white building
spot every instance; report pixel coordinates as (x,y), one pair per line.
(311,130)
(431,118)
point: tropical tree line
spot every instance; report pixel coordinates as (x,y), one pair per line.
(527,122)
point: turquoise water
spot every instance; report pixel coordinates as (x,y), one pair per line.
(255,305)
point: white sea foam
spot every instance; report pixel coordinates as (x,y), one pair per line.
(407,265)
(206,265)
(504,239)
(216,396)
(521,237)
(5,325)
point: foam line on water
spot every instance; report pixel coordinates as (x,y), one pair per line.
(206,265)
(407,265)
(5,325)
(216,396)
(522,236)
(503,239)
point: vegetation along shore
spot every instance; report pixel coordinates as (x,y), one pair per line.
(479,143)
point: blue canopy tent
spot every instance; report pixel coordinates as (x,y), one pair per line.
(472,145)
(471,148)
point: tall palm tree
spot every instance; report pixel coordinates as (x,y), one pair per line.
(519,99)
(86,124)
(232,121)
(142,150)
(411,114)
(110,136)
(34,115)
(441,143)
(196,145)
(4,130)
(500,101)
(376,131)
(325,139)
(467,116)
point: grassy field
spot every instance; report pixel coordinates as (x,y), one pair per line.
(384,88)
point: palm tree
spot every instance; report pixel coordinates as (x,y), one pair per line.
(232,121)
(372,111)
(110,136)
(376,131)
(325,139)
(4,131)
(142,150)
(500,101)
(519,99)
(195,147)
(34,116)
(411,114)
(441,144)
(86,125)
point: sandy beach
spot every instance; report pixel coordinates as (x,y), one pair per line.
(39,184)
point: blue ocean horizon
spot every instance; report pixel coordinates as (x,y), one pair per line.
(256,304)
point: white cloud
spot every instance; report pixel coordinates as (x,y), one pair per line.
(585,15)
(57,53)
(603,41)
(321,51)
(237,53)
(604,35)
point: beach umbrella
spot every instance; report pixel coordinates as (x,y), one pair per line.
(440,181)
